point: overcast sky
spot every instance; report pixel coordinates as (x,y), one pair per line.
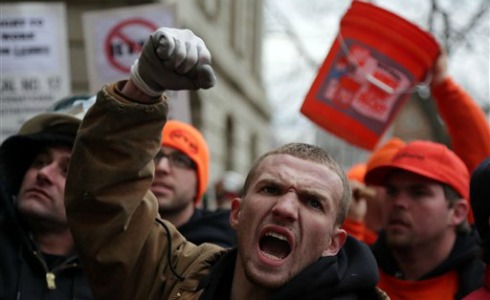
(313,24)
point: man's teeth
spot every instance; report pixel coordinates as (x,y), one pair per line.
(277,236)
(270,256)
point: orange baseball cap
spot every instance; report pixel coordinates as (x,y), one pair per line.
(428,159)
(187,139)
(385,153)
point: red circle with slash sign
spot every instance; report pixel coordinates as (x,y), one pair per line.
(125,41)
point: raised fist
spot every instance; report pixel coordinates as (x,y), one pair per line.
(173,59)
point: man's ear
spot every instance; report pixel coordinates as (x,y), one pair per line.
(336,242)
(235,212)
(460,212)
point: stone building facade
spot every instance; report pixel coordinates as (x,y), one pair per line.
(234,116)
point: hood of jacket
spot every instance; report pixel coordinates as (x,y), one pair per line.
(464,257)
(209,227)
(351,274)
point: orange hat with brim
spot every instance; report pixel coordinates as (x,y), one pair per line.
(432,160)
(385,153)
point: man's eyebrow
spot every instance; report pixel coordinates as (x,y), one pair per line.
(312,192)
(44,150)
(268,180)
(388,184)
(417,185)
(420,186)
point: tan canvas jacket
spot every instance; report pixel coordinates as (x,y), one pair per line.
(114,217)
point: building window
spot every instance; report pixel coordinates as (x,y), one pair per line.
(196,110)
(239,26)
(255,37)
(229,143)
(253,148)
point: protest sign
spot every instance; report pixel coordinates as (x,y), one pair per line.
(35,68)
(114,37)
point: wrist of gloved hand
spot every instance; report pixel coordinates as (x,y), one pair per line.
(141,84)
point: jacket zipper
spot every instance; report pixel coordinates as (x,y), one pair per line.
(177,296)
(51,274)
(50,280)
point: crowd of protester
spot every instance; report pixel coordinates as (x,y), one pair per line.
(101,200)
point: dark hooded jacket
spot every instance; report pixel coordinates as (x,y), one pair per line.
(209,227)
(351,274)
(25,272)
(464,258)
(480,195)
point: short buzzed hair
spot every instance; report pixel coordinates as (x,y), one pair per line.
(310,153)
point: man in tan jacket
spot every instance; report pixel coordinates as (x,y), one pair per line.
(288,222)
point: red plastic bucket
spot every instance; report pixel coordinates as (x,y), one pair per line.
(373,65)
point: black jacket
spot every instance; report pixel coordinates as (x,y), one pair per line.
(351,274)
(209,227)
(464,257)
(24,269)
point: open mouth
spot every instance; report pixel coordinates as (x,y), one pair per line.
(275,246)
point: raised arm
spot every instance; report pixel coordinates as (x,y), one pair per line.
(121,240)
(465,121)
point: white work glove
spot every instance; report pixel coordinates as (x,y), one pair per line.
(173,59)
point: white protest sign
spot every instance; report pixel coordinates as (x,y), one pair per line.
(114,38)
(35,68)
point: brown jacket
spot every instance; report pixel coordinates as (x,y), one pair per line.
(129,252)
(113,216)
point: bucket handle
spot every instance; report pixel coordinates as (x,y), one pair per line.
(378,83)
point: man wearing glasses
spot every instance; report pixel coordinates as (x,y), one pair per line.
(181,177)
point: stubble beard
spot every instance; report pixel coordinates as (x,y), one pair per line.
(399,241)
(263,280)
(172,207)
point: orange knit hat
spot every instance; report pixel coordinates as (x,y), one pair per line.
(357,172)
(187,139)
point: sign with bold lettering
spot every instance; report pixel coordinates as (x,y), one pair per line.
(114,39)
(34,61)
(124,42)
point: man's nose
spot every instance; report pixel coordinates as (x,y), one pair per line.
(287,206)
(400,200)
(47,173)
(162,164)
